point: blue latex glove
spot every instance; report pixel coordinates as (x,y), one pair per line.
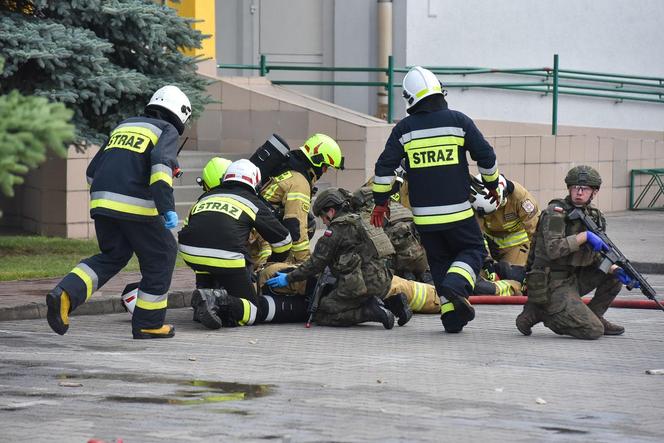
(595,242)
(279,281)
(171,219)
(626,279)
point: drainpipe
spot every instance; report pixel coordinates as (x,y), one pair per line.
(384,50)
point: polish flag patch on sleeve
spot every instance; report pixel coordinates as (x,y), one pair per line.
(528,206)
(327,233)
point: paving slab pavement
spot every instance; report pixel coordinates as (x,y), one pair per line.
(285,383)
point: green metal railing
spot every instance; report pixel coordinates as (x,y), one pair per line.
(656,183)
(545,81)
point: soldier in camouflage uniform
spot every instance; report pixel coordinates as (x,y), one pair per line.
(410,259)
(356,254)
(563,266)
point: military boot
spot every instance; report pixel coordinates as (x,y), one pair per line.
(611,328)
(529,317)
(166,331)
(398,305)
(374,310)
(59,307)
(204,303)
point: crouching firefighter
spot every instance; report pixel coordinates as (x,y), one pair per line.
(213,241)
(356,254)
(289,188)
(131,193)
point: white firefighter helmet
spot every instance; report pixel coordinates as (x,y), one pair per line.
(419,83)
(173,99)
(480,198)
(129,297)
(243,171)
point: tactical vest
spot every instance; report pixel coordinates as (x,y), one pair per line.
(583,257)
(376,243)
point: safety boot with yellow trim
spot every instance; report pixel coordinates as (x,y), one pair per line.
(59,307)
(166,331)
(456,314)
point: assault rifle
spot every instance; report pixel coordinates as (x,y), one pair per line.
(324,280)
(614,257)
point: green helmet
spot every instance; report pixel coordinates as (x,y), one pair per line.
(583,175)
(329,198)
(213,172)
(322,150)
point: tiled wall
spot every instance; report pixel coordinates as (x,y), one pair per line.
(55,201)
(252,109)
(540,163)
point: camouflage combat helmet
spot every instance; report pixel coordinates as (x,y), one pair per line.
(330,197)
(583,175)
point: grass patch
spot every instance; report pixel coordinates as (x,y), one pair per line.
(29,257)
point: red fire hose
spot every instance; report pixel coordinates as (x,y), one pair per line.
(521,299)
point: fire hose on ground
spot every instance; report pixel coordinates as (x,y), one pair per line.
(521,299)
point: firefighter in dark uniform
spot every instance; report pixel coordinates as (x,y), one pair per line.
(290,190)
(563,266)
(434,141)
(131,179)
(356,254)
(213,243)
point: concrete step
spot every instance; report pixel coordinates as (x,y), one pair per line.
(196,160)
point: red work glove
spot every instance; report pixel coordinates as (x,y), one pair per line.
(495,197)
(379,213)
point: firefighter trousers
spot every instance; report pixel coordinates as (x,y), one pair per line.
(118,240)
(455,257)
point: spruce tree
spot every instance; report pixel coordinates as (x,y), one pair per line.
(102,58)
(29,127)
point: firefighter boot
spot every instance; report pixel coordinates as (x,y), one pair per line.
(611,328)
(529,317)
(204,303)
(374,310)
(398,305)
(166,331)
(456,314)
(233,311)
(59,308)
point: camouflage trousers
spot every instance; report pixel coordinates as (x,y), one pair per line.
(566,314)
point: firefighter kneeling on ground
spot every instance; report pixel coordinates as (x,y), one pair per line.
(356,255)
(213,242)
(131,202)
